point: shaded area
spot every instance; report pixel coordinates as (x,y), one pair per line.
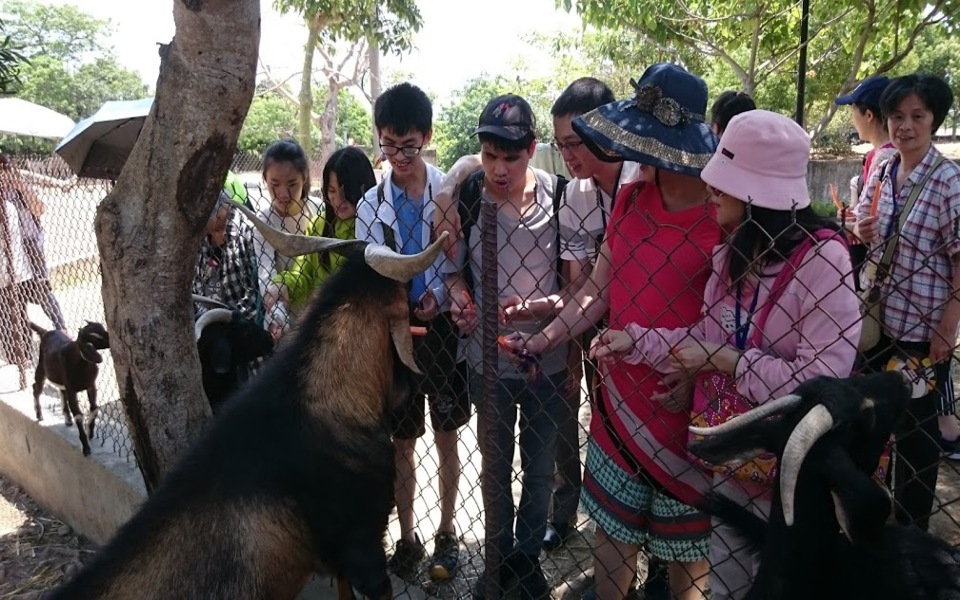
(37,550)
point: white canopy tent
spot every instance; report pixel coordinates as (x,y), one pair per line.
(19,117)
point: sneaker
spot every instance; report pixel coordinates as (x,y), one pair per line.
(406,558)
(556,536)
(950,446)
(953,456)
(446,556)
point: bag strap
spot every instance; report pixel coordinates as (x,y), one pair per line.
(883,267)
(786,275)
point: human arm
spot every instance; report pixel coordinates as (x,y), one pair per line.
(826,328)
(445,216)
(463,312)
(539,307)
(944,337)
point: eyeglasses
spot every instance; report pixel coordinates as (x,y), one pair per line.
(715,192)
(571,146)
(408,151)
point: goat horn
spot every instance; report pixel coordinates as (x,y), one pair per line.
(208,301)
(403,342)
(811,428)
(214,315)
(400,267)
(291,244)
(761,412)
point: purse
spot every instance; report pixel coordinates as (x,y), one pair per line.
(715,396)
(871,299)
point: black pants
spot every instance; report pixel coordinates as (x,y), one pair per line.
(917,446)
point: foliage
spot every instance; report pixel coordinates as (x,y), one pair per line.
(78,94)
(71,68)
(391,22)
(63,32)
(454,124)
(272,117)
(11,62)
(938,53)
(757,41)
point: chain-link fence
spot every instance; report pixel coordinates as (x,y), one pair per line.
(529,460)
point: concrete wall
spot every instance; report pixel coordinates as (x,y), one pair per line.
(79,490)
(821,173)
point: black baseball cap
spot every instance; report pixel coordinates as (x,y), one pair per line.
(509,117)
(868,92)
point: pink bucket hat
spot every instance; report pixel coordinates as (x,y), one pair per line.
(762,159)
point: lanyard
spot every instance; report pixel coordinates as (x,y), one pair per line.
(893,189)
(613,200)
(743,328)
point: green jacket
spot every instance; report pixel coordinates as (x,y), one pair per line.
(307,272)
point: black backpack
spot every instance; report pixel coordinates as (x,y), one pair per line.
(468,208)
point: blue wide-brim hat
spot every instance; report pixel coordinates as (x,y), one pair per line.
(661,126)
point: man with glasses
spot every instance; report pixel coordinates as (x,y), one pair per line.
(397,213)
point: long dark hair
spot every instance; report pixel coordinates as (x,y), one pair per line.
(289,151)
(355,176)
(767,237)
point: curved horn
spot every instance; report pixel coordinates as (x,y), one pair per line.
(291,244)
(811,428)
(214,315)
(208,301)
(761,412)
(398,266)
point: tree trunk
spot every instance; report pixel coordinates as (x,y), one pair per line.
(306,85)
(155,214)
(328,120)
(373,51)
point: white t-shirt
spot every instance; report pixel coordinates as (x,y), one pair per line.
(584,212)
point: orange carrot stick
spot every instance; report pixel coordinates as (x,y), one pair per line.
(836,200)
(418,331)
(466,296)
(875,203)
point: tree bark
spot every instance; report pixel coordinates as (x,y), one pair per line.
(149,224)
(374,63)
(328,120)
(314,26)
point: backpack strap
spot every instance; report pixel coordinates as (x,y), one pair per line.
(786,274)
(388,238)
(468,207)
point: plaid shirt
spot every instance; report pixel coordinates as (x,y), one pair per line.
(921,273)
(230,274)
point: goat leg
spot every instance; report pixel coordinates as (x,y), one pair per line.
(74,404)
(65,409)
(38,380)
(94,410)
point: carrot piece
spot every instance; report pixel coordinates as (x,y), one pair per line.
(418,331)
(836,199)
(466,296)
(875,203)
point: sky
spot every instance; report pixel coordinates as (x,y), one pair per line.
(460,39)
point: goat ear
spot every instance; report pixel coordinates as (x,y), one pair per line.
(862,505)
(89,353)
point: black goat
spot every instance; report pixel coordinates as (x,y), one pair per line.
(828,535)
(227,343)
(71,366)
(296,474)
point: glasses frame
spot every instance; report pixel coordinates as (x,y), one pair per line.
(571,146)
(407,151)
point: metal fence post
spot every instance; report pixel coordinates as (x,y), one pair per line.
(492,497)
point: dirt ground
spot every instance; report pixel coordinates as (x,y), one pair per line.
(37,550)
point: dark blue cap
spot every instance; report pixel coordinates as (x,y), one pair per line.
(868,92)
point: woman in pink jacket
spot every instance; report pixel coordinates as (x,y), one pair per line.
(758,182)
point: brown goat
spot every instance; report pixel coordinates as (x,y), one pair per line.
(295,476)
(71,366)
